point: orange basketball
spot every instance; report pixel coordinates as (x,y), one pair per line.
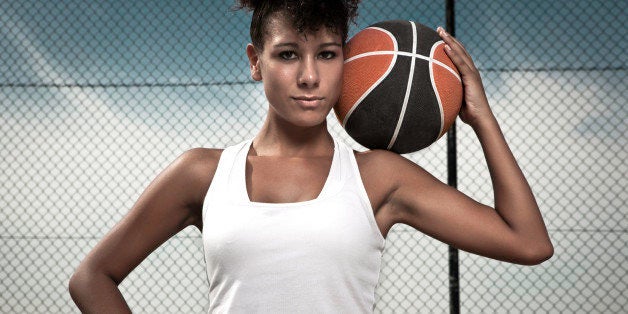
(400,92)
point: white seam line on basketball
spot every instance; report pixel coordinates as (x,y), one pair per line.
(368,91)
(406,54)
(404,107)
(440,104)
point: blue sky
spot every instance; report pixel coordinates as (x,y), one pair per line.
(122,42)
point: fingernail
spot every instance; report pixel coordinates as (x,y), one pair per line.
(447,47)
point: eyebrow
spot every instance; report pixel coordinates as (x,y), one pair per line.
(295,45)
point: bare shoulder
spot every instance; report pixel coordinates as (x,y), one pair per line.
(383,172)
(188,177)
(387,164)
(198,165)
(200,159)
(376,156)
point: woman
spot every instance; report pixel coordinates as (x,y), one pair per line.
(294,220)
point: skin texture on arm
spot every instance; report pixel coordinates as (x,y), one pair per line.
(169,204)
(403,192)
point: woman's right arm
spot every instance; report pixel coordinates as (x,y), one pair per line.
(169,204)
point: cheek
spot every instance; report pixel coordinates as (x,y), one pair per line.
(339,74)
(276,78)
(335,78)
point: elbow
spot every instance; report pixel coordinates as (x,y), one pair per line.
(82,283)
(76,285)
(537,254)
(94,292)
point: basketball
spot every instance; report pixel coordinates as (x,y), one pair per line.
(400,91)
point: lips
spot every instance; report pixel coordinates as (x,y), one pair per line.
(308,101)
(308,98)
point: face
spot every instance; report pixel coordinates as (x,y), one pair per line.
(301,73)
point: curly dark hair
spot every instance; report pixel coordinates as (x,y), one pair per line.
(305,15)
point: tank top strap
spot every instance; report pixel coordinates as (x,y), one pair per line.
(354,183)
(220,187)
(335,177)
(237,179)
(349,165)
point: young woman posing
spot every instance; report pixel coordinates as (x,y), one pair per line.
(295,221)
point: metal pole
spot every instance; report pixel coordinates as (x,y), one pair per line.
(452,180)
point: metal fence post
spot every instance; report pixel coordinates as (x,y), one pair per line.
(452,180)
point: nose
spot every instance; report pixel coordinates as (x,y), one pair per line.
(308,74)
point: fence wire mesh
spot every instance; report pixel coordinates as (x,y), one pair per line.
(555,73)
(96,98)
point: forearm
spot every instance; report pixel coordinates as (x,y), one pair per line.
(514,200)
(97,293)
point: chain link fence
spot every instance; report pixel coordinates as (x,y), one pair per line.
(555,73)
(96,98)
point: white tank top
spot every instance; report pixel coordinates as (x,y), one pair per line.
(321,255)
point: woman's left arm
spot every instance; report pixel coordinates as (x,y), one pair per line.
(514,230)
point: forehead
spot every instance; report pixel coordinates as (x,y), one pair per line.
(279,29)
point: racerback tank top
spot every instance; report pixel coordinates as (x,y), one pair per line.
(317,256)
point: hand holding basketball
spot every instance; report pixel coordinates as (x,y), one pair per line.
(475,106)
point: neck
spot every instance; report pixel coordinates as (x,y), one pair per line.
(281,139)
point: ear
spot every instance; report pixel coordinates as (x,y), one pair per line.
(253,55)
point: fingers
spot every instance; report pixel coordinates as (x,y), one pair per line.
(456,51)
(451,41)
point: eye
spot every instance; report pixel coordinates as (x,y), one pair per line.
(327,55)
(287,55)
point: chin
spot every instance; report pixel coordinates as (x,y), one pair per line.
(310,120)
(310,123)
